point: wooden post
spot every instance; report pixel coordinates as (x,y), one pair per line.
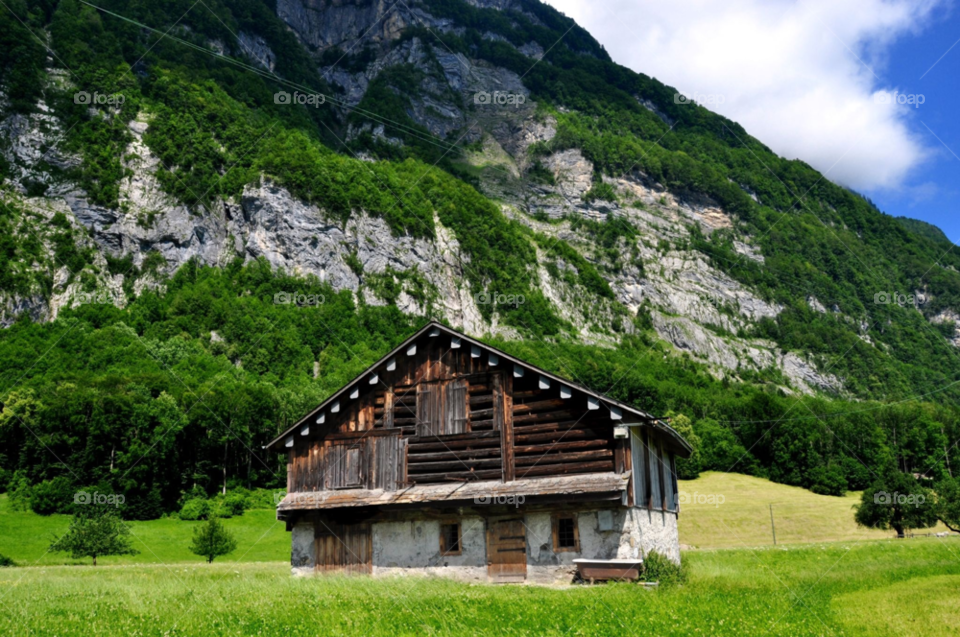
(505,403)
(388,408)
(773,529)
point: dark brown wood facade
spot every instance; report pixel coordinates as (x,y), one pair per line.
(444,409)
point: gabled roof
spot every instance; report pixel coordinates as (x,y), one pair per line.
(620,412)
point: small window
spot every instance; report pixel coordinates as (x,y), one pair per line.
(450,538)
(566,537)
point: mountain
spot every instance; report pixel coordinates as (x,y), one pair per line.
(484,162)
(925,229)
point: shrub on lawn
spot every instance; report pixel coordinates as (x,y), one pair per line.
(263,498)
(18,492)
(658,568)
(195,509)
(219,510)
(52,496)
(235,503)
(6,561)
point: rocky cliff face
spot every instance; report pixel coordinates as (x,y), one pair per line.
(699,310)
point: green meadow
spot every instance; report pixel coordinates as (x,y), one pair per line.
(872,588)
(25,537)
(869,585)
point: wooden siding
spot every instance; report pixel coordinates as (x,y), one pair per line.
(443,414)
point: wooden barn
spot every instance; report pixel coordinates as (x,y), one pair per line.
(451,457)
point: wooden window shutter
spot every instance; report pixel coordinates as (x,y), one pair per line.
(351,466)
(455,407)
(343,466)
(675,504)
(641,482)
(656,488)
(669,486)
(428,410)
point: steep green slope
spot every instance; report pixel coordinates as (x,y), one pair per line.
(924,229)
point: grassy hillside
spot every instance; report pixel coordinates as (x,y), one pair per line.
(742,519)
(874,589)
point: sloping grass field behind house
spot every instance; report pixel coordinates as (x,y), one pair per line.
(730,510)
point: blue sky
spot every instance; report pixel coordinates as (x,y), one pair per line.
(932,191)
(816,80)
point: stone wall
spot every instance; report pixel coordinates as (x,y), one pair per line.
(605,534)
(302,549)
(412,546)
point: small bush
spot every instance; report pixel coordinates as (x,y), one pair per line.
(658,568)
(6,561)
(235,503)
(219,510)
(52,496)
(264,498)
(195,509)
(18,492)
(600,191)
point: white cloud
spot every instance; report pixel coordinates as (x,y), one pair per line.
(796,74)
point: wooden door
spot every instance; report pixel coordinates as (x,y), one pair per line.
(344,548)
(507,551)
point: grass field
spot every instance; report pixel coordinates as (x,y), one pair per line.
(25,536)
(872,588)
(864,587)
(743,517)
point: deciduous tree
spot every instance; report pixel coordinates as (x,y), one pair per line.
(896,501)
(95,534)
